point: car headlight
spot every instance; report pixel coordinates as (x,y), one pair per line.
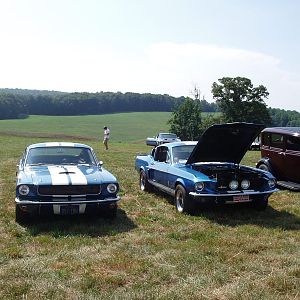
(233,184)
(24,190)
(199,186)
(271,183)
(112,188)
(245,184)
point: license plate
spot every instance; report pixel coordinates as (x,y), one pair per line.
(69,210)
(241,198)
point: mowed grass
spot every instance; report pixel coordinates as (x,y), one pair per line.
(133,127)
(125,127)
(149,251)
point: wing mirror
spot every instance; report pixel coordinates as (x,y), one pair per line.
(100,164)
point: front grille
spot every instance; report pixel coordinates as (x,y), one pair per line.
(69,190)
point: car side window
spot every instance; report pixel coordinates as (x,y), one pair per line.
(265,139)
(161,154)
(276,140)
(293,143)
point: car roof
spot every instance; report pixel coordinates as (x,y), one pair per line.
(58,144)
(167,133)
(284,130)
(176,144)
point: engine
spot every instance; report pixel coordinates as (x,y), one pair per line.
(231,176)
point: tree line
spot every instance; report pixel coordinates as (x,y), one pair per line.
(19,103)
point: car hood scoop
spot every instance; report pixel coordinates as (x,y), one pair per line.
(225,143)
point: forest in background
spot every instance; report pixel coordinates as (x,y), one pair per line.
(19,103)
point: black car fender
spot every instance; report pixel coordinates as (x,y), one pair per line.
(266,161)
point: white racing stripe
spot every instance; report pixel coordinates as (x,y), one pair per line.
(76,176)
(57,175)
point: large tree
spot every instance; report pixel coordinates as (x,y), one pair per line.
(239,101)
(186,120)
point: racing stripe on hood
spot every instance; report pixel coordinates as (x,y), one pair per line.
(58,177)
(76,175)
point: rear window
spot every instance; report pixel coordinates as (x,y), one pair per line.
(293,143)
(168,136)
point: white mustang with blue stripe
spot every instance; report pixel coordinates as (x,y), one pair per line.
(63,178)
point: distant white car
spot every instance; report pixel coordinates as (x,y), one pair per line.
(162,138)
(255,144)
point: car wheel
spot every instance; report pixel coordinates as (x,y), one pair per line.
(264,167)
(145,186)
(183,203)
(21,217)
(260,203)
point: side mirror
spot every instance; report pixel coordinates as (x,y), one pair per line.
(100,164)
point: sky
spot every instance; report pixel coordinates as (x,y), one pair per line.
(157,46)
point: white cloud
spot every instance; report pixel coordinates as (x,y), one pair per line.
(166,68)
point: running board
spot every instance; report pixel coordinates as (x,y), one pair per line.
(289,185)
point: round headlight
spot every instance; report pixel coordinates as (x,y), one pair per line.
(271,183)
(24,190)
(245,184)
(233,184)
(112,188)
(199,186)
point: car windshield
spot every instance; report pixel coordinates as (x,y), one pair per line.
(167,136)
(182,153)
(60,156)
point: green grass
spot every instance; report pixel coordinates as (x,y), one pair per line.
(149,251)
(124,127)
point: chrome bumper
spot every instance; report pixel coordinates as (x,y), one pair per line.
(62,202)
(193,194)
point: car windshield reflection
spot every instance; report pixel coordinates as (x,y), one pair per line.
(60,156)
(182,153)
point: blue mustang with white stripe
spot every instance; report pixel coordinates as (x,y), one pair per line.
(63,179)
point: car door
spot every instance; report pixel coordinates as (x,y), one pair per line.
(160,166)
(276,153)
(292,159)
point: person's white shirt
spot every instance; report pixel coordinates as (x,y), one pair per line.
(106,133)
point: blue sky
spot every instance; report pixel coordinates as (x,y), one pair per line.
(164,47)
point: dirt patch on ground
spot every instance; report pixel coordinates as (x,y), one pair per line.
(46,135)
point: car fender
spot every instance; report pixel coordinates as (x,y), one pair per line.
(181,182)
(266,161)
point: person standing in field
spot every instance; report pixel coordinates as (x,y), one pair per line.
(106,137)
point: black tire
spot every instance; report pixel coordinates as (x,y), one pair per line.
(183,203)
(145,186)
(264,167)
(260,203)
(21,217)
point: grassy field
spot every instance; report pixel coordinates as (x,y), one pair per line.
(133,127)
(149,251)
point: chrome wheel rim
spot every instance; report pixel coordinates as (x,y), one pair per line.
(264,167)
(179,201)
(142,182)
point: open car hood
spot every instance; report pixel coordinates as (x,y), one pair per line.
(225,143)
